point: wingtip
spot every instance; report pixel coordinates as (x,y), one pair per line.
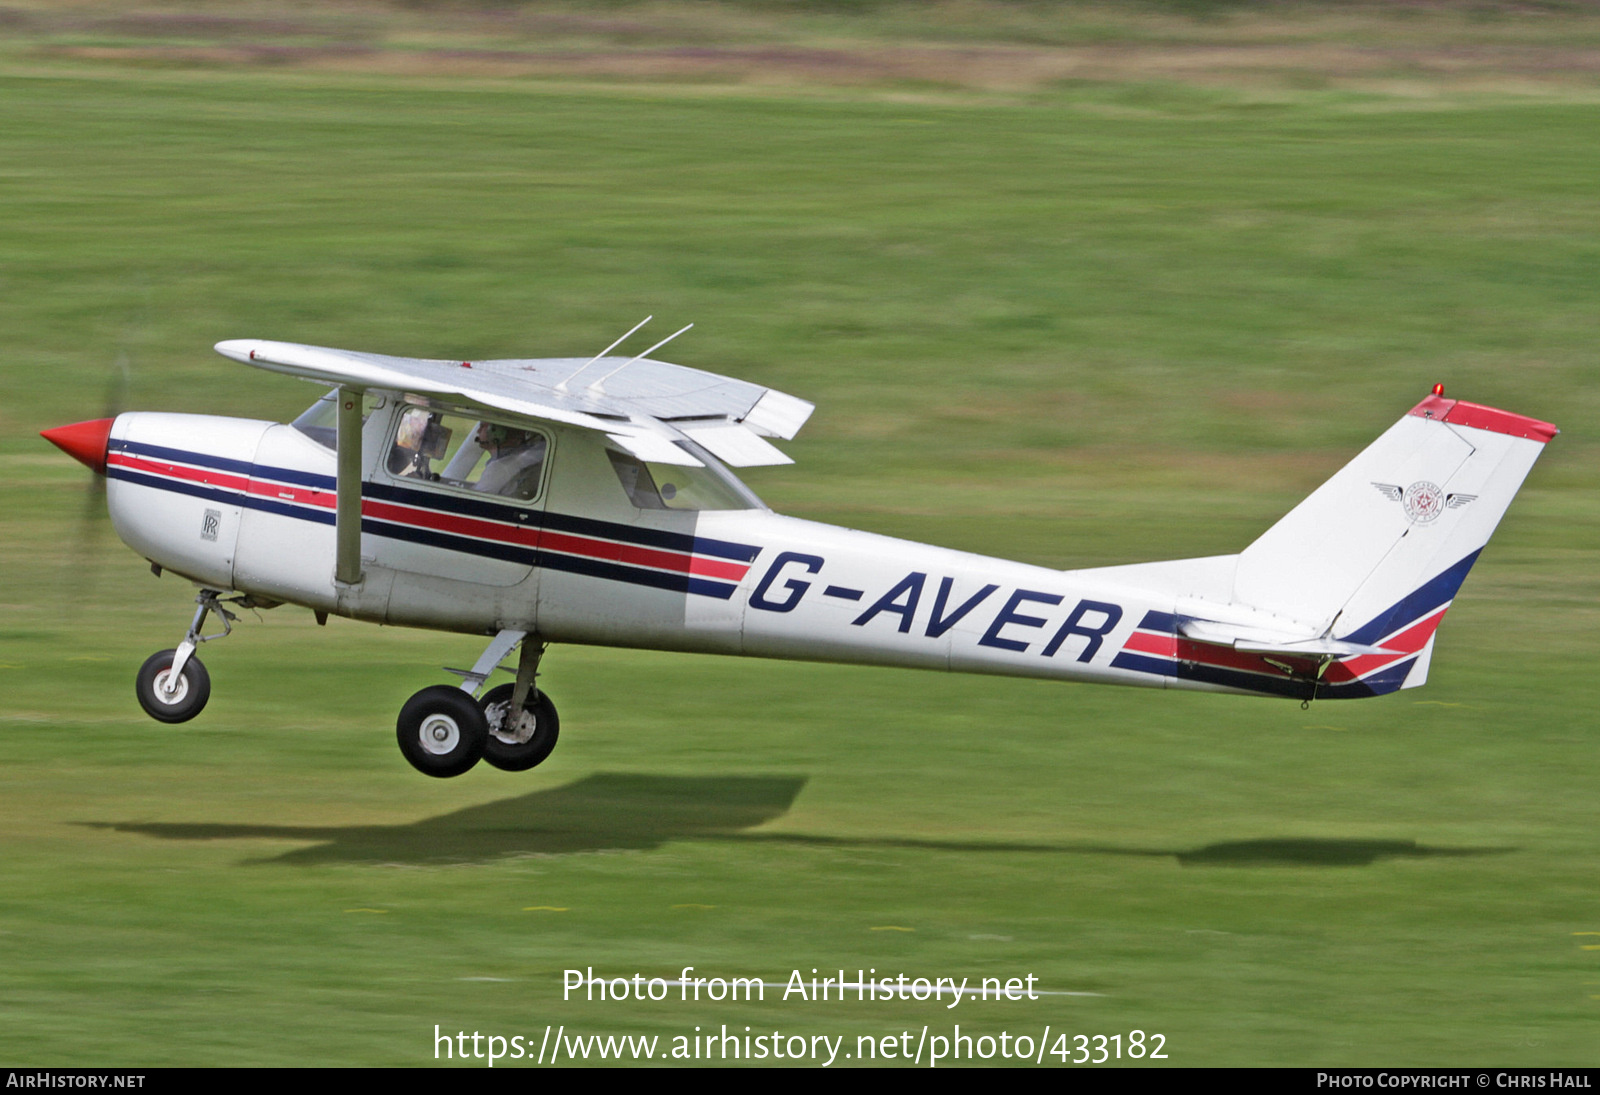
(239,349)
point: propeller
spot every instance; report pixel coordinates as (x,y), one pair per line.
(88,442)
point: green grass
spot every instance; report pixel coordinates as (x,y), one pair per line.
(1089,324)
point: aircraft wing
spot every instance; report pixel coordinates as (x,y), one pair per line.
(643,405)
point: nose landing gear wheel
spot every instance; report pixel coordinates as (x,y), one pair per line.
(442,731)
(517,744)
(171,700)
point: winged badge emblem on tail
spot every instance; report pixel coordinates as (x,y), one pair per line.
(1422,501)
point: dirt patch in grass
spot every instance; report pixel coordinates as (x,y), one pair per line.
(980,68)
(973,45)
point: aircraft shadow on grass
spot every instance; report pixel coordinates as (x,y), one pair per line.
(607,811)
(612,811)
(1312,852)
(1292,852)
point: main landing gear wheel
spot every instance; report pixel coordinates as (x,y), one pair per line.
(442,731)
(517,744)
(171,700)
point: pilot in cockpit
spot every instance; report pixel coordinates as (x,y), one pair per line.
(515,460)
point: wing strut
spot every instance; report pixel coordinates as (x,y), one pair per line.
(347,512)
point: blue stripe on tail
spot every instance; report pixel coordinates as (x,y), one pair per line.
(1417,604)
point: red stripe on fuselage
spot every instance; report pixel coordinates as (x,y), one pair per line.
(560,542)
(1404,645)
(1148,642)
(471,527)
(210,477)
(288,492)
(568,544)
(437,520)
(1224,657)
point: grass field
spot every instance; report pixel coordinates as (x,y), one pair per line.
(1076,317)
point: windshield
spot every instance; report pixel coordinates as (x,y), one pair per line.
(320,421)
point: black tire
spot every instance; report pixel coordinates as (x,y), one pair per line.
(442,731)
(503,750)
(194,688)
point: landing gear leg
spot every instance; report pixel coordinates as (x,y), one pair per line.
(443,731)
(523,724)
(172,685)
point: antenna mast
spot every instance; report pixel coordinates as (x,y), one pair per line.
(631,360)
(563,385)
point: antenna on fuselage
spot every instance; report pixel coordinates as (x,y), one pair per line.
(563,385)
(631,360)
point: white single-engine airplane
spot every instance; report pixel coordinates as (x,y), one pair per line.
(571,501)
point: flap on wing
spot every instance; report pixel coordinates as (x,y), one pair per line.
(1256,641)
(778,415)
(737,445)
(655,448)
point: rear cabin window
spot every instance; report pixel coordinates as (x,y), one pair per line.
(650,485)
(468,454)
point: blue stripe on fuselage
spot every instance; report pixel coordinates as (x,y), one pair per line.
(494,511)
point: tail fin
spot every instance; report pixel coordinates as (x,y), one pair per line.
(1375,555)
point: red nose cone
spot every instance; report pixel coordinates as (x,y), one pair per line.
(85,442)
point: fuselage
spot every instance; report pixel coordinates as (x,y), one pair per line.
(249,506)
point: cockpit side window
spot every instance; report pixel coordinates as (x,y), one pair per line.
(455,451)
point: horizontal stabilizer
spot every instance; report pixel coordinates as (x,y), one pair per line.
(1259,642)
(1253,641)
